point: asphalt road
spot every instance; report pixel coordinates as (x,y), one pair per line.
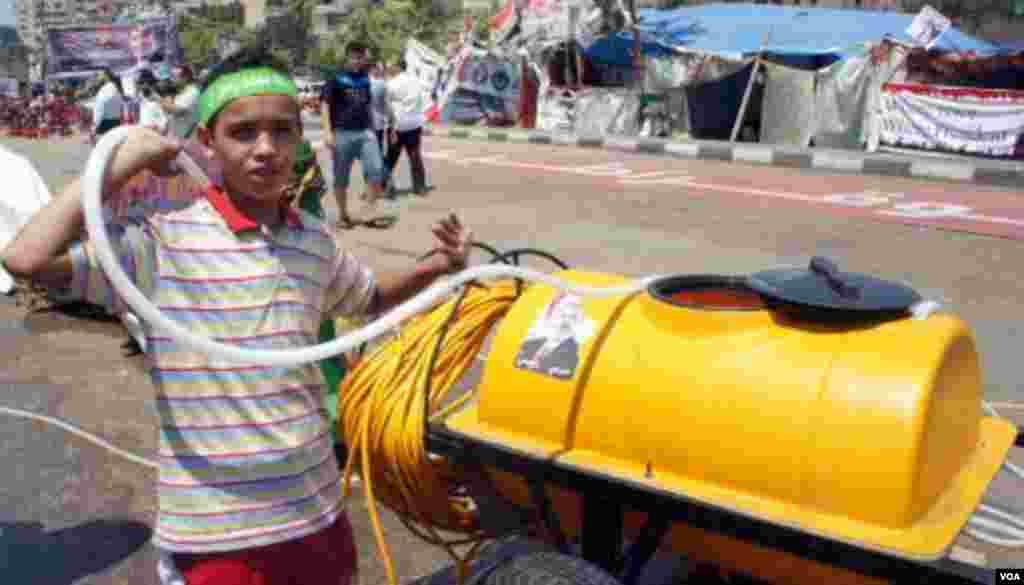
(604,211)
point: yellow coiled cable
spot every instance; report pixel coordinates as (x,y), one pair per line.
(382,416)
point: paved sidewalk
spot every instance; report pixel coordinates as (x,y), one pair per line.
(953,168)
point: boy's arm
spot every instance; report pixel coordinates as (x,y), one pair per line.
(325,117)
(394,289)
(355,292)
(38,251)
(325,114)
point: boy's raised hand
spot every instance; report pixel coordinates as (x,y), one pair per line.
(455,242)
(144,149)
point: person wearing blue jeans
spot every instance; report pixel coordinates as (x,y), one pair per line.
(347,122)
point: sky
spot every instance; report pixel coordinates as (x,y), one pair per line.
(6,12)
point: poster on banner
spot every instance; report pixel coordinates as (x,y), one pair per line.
(979,122)
(80,51)
(928,26)
(8,86)
(490,75)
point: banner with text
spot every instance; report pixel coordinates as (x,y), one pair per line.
(959,120)
(81,51)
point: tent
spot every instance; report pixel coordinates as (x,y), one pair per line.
(1013,47)
(737,31)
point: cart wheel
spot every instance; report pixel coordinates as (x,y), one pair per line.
(548,568)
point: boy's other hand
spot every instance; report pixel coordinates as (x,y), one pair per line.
(455,242)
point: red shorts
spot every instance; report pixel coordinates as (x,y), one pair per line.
(328,557)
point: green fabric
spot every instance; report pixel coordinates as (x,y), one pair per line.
(244,83)
(333,368)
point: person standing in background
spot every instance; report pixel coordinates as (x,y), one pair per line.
(182,107)
(108,108)
(379,105)
(407,102)
(347,122)
(151,113)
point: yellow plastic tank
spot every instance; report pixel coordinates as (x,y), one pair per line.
(870,433)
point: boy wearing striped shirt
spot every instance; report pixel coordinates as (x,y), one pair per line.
(249,485)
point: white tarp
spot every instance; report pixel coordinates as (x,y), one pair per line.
(588,112)
(24,194)
(840,99)
(847,94)
(607,112)
(684,69)
(556,111)
(787,110)
(964,120)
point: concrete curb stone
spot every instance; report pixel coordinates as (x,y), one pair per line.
(980,171)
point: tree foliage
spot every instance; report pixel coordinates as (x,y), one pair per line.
(387,27)
(198,44)
(384,25)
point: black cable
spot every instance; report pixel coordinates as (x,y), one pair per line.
(497,257)
(434,355)
(495,254)
(514,255)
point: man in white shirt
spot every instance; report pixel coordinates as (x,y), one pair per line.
(407,98)
(181,109)
(108,108)
(151,113)
(379,105)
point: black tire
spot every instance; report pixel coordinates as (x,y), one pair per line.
(548,568)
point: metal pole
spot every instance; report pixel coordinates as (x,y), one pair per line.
(573,55)
(636,78)
(568,49)
(750,86)
(746,100)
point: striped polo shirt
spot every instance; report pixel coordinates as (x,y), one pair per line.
(246,456)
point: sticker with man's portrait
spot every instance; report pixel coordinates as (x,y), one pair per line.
(552,344)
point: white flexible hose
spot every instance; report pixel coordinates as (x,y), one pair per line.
(17,412)
(95,171)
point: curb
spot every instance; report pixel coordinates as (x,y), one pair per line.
(982,172)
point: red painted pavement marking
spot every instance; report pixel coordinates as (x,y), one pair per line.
(945,206)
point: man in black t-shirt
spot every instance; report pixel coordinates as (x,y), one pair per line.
(348,129)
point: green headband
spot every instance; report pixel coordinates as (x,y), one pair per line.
(244,83)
